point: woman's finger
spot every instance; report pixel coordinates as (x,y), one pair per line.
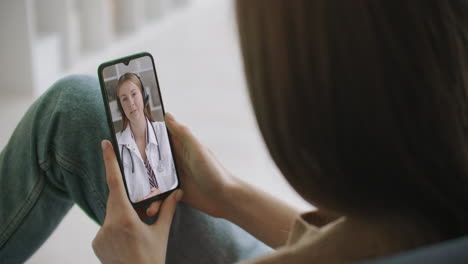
(182,132)
(167,210)
(153,208)
(114,179)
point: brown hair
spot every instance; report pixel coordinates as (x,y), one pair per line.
(363,104)
(133,78)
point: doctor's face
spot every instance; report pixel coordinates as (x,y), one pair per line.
(131,100)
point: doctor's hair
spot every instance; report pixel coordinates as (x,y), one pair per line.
(363,104)
(133,78)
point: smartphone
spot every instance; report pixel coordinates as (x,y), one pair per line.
(135,115)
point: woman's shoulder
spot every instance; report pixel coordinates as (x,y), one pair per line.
(121,135)
(118,134)
(158,124)
(118,137)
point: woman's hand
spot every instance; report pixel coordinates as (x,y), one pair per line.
(206,183)
(209,187)
(124,238)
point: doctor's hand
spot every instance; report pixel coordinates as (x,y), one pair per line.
(206,183)
(124,238)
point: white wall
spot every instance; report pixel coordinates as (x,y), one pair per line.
(43,40)
(16,51)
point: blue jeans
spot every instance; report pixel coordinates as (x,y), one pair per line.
(54,160)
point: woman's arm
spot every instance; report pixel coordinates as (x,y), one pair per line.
(209,187)
(263,215)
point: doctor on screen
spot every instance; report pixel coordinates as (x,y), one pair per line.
(143,143)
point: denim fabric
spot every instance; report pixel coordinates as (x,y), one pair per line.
(53,160)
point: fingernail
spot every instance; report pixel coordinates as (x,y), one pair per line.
(104,145)
(179,195)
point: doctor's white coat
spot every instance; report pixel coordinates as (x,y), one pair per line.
(138,182)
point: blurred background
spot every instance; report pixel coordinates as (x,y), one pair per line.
(199,65)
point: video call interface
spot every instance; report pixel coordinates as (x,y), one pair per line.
(138,121)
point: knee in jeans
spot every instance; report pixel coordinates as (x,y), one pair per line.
(79,96)
(75,87)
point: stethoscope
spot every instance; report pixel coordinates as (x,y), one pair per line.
(160,167)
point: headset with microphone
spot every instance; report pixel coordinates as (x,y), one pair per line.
(146,103)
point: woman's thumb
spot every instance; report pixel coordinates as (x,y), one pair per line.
(174,126)
(168,207)
(180,131)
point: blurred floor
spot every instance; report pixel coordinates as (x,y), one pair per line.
(200,72)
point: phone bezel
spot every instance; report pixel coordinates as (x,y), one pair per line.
(110,123)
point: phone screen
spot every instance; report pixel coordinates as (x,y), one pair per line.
(135,114)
